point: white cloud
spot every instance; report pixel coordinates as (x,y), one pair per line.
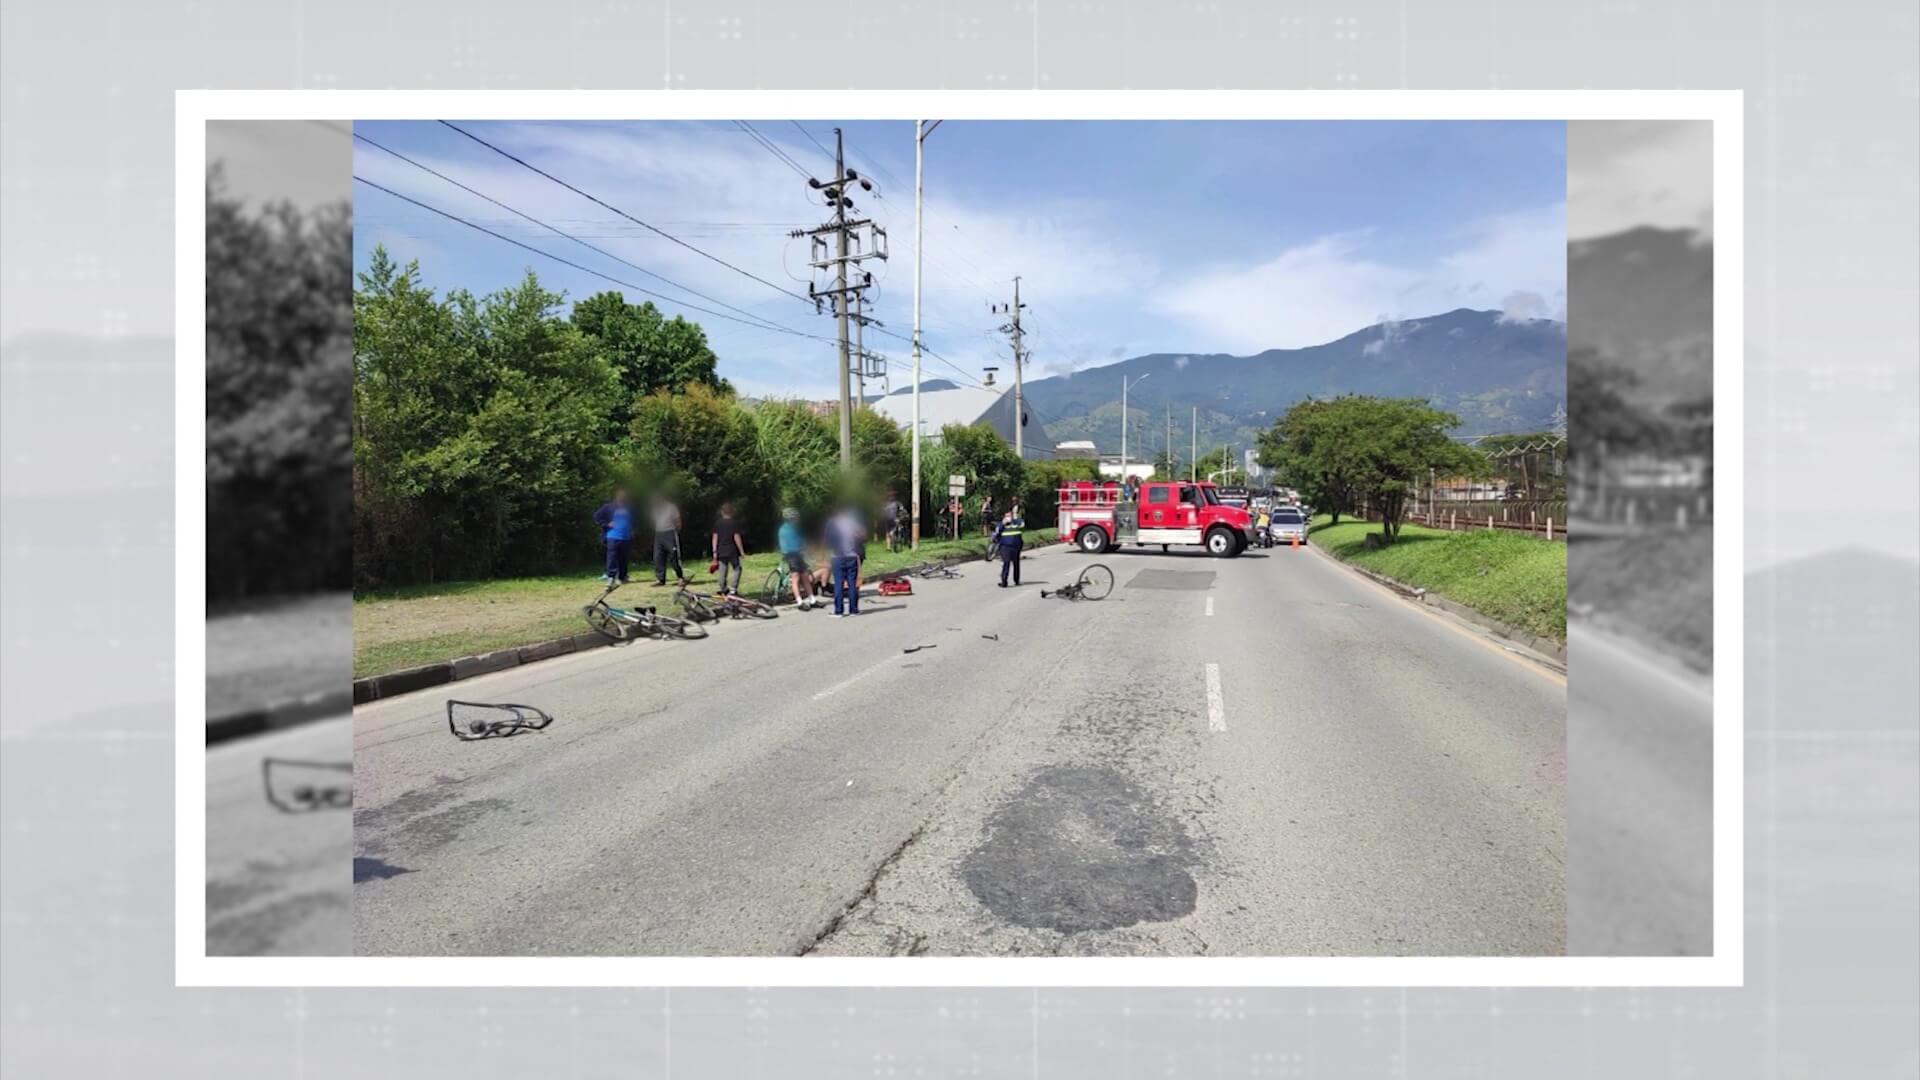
(1623,174)
(1323,290)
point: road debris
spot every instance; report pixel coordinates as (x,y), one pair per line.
(296,794)
(917,648)
(472,720)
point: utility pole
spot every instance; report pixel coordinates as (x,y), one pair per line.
(1019,404)
(848,234)
(920,132)
(1123,420)
(1169,439)
(1193,429)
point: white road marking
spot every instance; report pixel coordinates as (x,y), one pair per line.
(1209,605)
(1216,701)
(843,684)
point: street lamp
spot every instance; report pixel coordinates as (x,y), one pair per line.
(921,129)
(1123,420)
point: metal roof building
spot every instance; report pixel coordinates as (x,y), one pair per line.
(965,405)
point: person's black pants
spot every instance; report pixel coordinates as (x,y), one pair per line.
(617,560)
(666,552)
(1010,559)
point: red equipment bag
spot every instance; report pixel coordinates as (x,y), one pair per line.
(896,587)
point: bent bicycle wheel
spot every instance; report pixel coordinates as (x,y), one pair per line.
(601,620)
(667,626)
(753,609)
(695,607)
(1095,582)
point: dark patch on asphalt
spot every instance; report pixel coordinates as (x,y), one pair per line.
(420,821)
(1082,847)
(1184,580)
(365,869)
(259,931)
(222,895)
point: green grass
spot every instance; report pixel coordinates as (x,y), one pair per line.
(1517,579)
(1660,583)
(425,624)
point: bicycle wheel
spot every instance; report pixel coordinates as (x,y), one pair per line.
(1095,582)
(775,589)
(668,626)
(753,609)
(601,620)
(698,608)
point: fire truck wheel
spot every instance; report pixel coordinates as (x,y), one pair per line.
(1092,539)
(1220,543)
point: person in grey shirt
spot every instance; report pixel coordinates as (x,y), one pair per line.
(666,541)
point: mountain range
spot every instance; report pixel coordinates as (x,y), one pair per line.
(1642,301)
(1497,374)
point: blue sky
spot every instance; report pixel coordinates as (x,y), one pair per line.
(1129,237)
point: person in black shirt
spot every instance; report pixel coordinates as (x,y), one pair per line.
(727,549)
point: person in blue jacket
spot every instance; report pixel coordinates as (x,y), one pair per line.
(615,519)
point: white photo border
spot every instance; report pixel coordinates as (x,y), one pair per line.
(192,967)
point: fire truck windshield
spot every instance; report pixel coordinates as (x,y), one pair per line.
(1211,496)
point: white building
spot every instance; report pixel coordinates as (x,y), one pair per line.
(966,406)
(1110,468)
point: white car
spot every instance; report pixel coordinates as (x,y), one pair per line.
(1286,524)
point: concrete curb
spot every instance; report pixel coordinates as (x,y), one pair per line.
(278,715)
(407,680)
(1550,652)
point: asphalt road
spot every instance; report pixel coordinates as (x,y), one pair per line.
(1266,755)
(277,877)
(1641,804)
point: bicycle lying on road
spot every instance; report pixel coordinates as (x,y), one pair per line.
(622,624)
(706,607)
(1094,583)
(934,570)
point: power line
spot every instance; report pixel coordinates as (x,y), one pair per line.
(609,206)
(770,147)
(569,236)
(586,269)
(811,139)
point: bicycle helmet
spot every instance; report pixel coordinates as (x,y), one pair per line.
(790,514)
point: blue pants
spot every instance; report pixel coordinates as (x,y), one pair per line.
(1010,559)
(846,571)
(617,560)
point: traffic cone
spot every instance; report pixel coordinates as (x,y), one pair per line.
(1293,541)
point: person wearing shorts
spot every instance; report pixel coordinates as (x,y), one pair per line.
(793,554)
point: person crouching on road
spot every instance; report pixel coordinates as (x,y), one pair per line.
(843,537)
(1011,538)
(793,553)
(727,549)
(615,519)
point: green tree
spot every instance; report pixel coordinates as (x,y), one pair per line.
(702,448)
(279,397)
(648,350)
(801,452)
(881,451)
(988,462)
(1359,447)
(479,430)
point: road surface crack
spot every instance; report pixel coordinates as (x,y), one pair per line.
(866,895)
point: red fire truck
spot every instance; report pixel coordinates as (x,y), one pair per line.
(1099,517)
